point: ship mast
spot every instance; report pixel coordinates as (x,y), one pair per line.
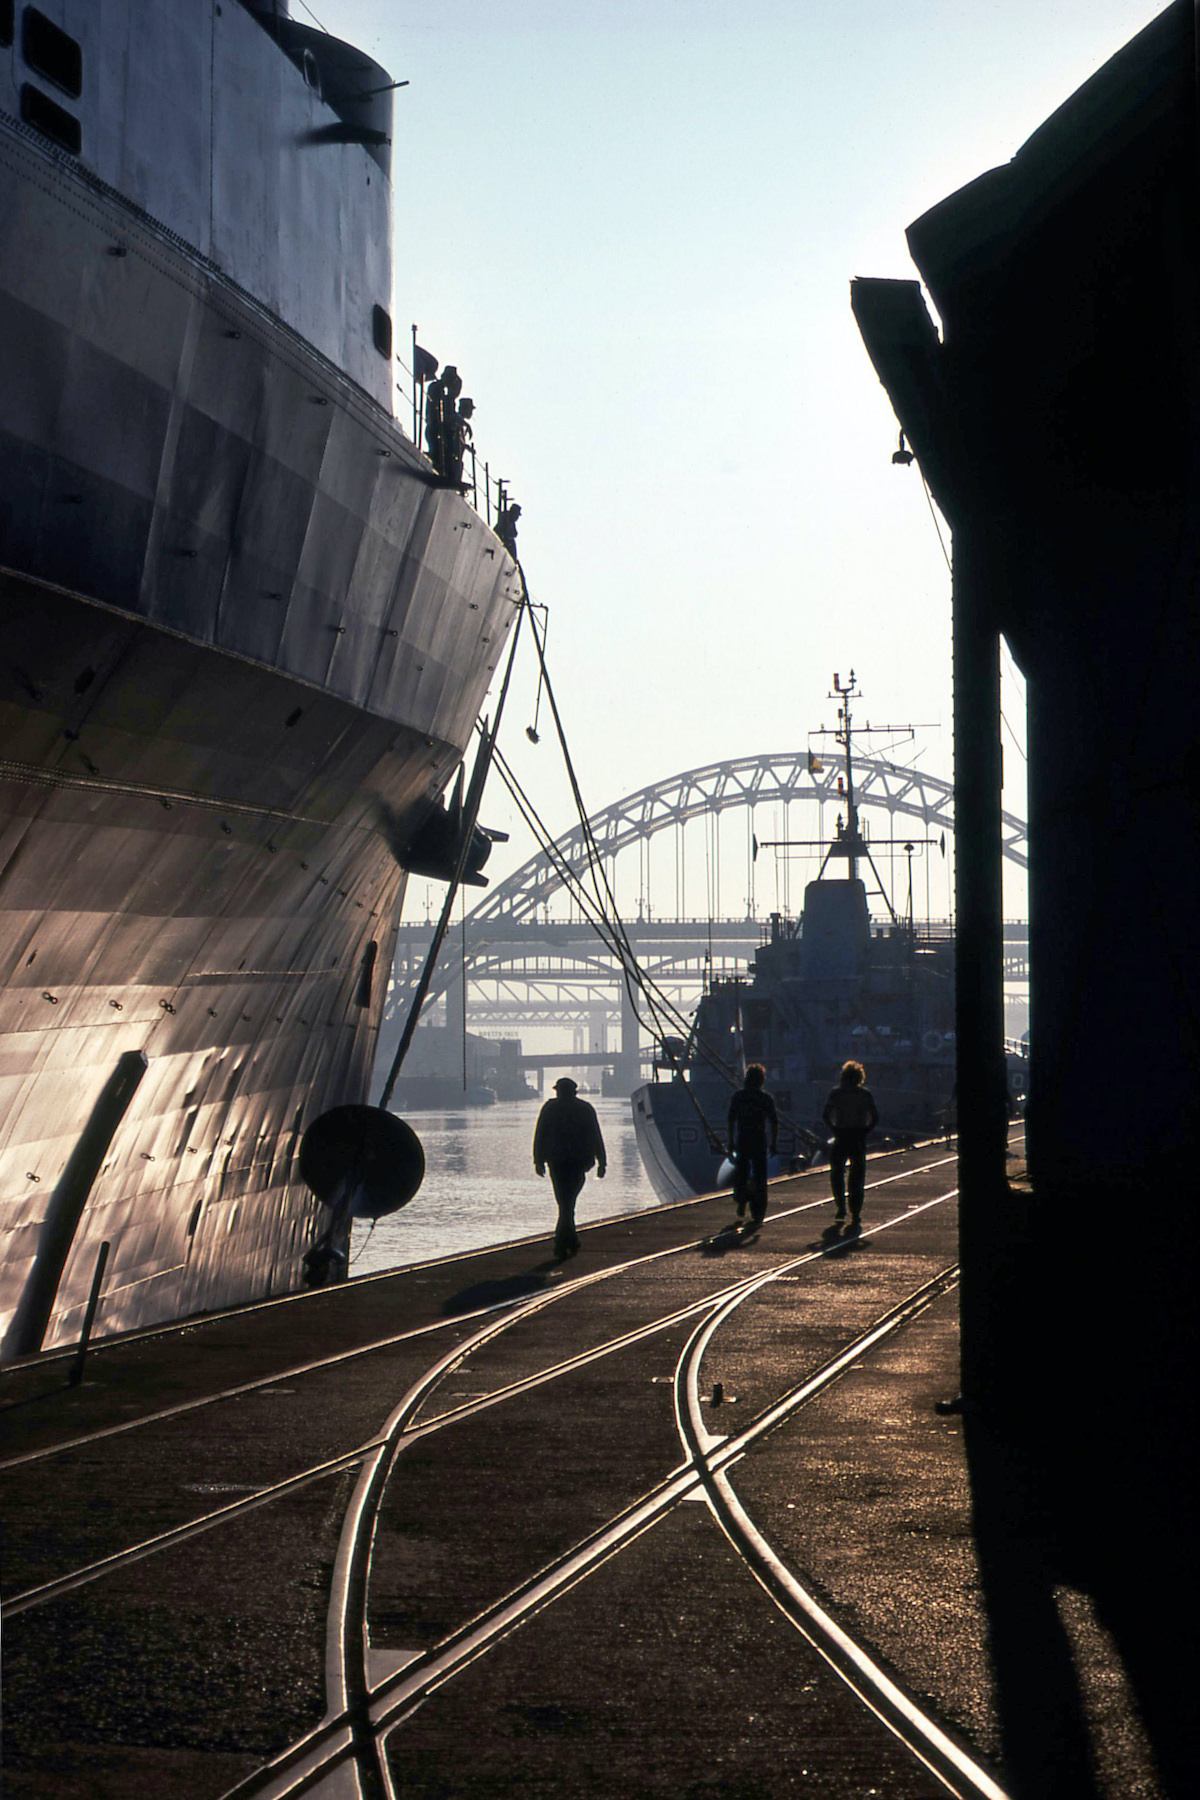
(848,840)
(853,845)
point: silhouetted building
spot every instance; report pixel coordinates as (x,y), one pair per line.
(1055,420)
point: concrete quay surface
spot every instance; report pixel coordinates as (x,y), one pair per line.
(557,1603)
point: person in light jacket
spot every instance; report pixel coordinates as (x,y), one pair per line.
(850,1113)
(567,1141)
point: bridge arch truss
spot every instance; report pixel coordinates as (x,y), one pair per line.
(904,792)
(524,965)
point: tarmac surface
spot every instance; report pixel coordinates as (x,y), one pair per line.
(568,1592)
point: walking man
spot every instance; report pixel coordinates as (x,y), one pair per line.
(752,1117)
(850,1113)
(567,1141)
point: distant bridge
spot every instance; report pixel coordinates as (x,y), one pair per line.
(747,783)
(527,964)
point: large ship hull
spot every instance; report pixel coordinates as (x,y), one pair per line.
(244,636)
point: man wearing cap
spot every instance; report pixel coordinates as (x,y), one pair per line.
(567,1141)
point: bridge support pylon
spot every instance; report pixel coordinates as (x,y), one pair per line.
(627,1064)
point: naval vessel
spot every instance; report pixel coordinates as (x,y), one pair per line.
(852,978)
(246,627)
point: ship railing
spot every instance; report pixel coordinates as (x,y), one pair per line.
(487,493)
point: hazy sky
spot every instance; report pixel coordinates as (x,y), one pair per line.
(632,225)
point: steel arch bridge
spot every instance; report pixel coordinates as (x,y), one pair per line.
(749,781)
(524,966)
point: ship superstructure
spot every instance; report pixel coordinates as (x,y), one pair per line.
(245,630)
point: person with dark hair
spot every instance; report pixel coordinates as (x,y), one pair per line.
(567,1141)
(850,1113)
(752,1117)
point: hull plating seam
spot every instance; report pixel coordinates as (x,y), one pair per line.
(25,772)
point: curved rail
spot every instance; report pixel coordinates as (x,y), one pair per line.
(393,1699)
(895,1709)
(297,1371)
(359,1715)
(501,1314)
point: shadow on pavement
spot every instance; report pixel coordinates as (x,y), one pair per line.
(723,1241)
(494,1293)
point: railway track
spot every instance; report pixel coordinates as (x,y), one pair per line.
(363,1708)
(292,1371)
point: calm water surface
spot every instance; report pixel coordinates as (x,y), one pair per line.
(480,1188)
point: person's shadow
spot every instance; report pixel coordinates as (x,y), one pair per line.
(510,1288)
(723,1241)
(839,1240)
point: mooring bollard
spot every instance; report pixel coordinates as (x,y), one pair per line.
(76,1375)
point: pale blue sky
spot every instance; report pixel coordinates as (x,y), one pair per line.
(633,228)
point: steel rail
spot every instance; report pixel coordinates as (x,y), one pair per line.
(28,1598)
(45,1592)
(952,1765)
(182,1407)
(178,1534)
(318,1364)
(122,1340)
(638,1332)
(311,1757)
(142,1334)
(346,1643)
(399,1696)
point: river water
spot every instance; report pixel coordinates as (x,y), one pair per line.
(480,1188)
